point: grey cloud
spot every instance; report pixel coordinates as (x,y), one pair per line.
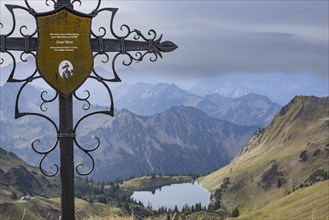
(227,37)
(224,51)
(220,37)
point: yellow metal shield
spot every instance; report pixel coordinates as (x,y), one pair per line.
(64,56)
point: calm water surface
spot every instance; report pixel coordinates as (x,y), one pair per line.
(175,194)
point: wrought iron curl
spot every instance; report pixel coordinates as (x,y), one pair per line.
(154,34)
(106,56)
(11,10)
(74,1)
(87,152)
(86,105)
(30,9)
(26,35)
(13,62)
(45,100)
(53,1)
(3,38)
(2,61)
(101,29)
(154,46)
(113,65)
(11,75)
(80,166)
(129,32)
(151,33)
(138,57)
(152,58)
(111,110)
(95,11)
(151,45)
(19,114)
(22,57)
(106,60)
(113,12)
(45,154)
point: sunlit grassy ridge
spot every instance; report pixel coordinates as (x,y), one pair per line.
(306,203)
(272,165)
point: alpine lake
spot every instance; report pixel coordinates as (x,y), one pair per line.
(180,195)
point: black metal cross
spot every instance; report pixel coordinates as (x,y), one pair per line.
(66,131)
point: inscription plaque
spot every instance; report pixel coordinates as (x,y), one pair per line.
(64,56)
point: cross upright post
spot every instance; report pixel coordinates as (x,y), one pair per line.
(66,136)
(65,67)
(61,3)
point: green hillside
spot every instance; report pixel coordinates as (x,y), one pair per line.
(42,208)
(94,200)
(18,178)
(306,203)
(291,153)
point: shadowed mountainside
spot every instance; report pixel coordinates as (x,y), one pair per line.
(181,140)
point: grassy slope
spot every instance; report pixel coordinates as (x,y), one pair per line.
(13,167)
(40,208)
(305,203)
(302,125)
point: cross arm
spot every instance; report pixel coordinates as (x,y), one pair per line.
(29,44)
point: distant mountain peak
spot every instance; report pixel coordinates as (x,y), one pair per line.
(299,111)
(306,106)
(279,87)
(146,99)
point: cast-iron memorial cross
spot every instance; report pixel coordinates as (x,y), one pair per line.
(65,47)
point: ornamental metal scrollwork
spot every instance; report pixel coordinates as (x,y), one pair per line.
(19,114)
(129,45)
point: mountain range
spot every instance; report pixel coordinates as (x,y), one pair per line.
(279,173)
(179,140)
(220,96)
(146,99)
(282,173)
(278,87)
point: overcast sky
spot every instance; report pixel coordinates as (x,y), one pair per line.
(222,37)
